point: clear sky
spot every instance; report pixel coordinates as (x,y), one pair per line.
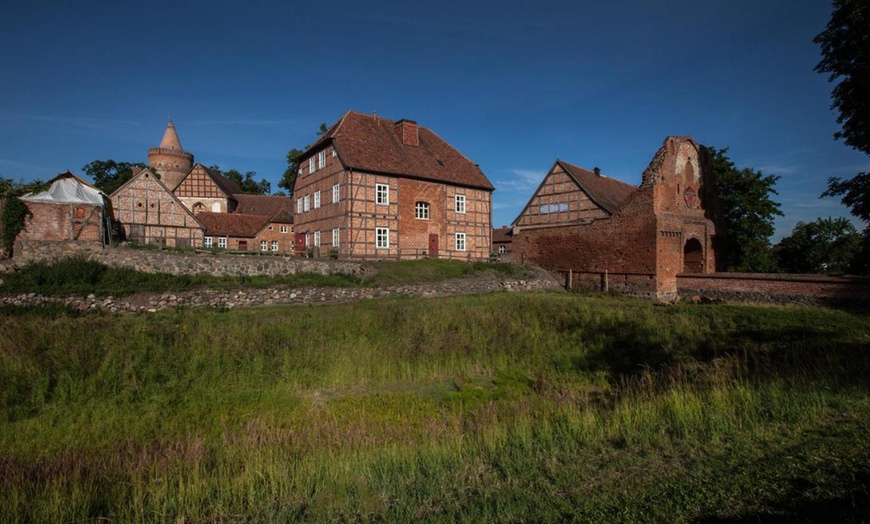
(512,85)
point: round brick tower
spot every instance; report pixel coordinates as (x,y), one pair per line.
(169,160)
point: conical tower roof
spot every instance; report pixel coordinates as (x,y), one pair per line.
(170,138)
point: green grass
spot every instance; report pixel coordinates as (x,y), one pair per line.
(505,407)
(76,276)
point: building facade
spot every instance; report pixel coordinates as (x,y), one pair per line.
(374,188)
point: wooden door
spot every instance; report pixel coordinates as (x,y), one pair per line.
(433,246)
(300,244)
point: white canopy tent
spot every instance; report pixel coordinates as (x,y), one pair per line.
(66,188)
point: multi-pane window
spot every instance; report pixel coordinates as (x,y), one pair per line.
(264,245)
(222,242)
(317,239)
(274,245)
(335,237)
(502,250)
(460,241)
(306,203)
(382,237)
(421,210)
(335,193)
(382,194)
(460,203)
(283,229)
(310,165)
(206,241)
(299,206)
(559,207)
(317,200)
(321,160)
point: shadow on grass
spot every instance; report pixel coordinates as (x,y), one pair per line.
(853,507)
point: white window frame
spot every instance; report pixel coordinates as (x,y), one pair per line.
(317,200)
(336,236)
(317,239)
(284,229)
(306,203)
(275,245)
(382,194)
(299,206)
(336,193)
(321,160)
(311,165)
(421,210)
(207,242)
(222,242)
(264,245)
(459,203)
(334,153)
(382,238)
(459,242)
(502,250)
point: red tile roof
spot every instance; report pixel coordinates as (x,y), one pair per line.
(370,143)
(607,192)
(502,234)
(278,207)
(229,187)
(232,224)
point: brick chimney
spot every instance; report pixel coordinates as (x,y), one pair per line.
(409,131)
(597,171)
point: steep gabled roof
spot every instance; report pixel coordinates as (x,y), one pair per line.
(232,224)
(229,187)
(607,192)
(147,171)
(278,207)
(502,234)
(374,144)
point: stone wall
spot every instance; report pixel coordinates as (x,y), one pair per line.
(776,288)
(175,263)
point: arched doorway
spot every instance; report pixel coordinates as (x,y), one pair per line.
(693,256)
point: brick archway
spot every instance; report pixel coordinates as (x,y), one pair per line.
(693,256)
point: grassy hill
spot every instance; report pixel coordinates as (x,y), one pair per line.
(507,407)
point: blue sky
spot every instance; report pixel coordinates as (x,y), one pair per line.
(513,85)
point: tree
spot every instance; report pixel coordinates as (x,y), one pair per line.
(845,50)
(293,156)
(247,182)
(748,213)
(828,245)
(109,175)
(14,212)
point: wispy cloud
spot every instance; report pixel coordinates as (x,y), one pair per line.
(78,121)
(521,180)
(280,122)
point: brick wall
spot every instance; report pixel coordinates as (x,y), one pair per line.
(778,288)
(56,221)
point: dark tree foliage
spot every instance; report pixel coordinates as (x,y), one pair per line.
(748,213)
(828,245)
(845,46)
(109,175)
(247,182)
(14,211)
(293,156)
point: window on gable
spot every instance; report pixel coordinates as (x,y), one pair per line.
(460,241)
(421,210)
(382,194)
(382,237)
(321,160)
(283,229)
(264,245)
(460,203)
(559,207)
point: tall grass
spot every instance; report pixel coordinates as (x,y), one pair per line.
(505,407)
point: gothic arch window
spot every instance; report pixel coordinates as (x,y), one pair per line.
(693,256)
(198,208)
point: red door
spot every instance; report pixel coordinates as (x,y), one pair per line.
(433,246)
(300,243)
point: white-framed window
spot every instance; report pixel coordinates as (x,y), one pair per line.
(382,194)
(264,245)
(334,153)
(336,193)
(421,210)
(284,229)
(321,160)
(317,200)
(459,203)
(306,203)
(335,236)
(310,165)
(502,250)
(216,207)
(382,237)
(460,241)
(317,239)
(274,245)
(222,242)
(299,206)
(307,240)
(206,242)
